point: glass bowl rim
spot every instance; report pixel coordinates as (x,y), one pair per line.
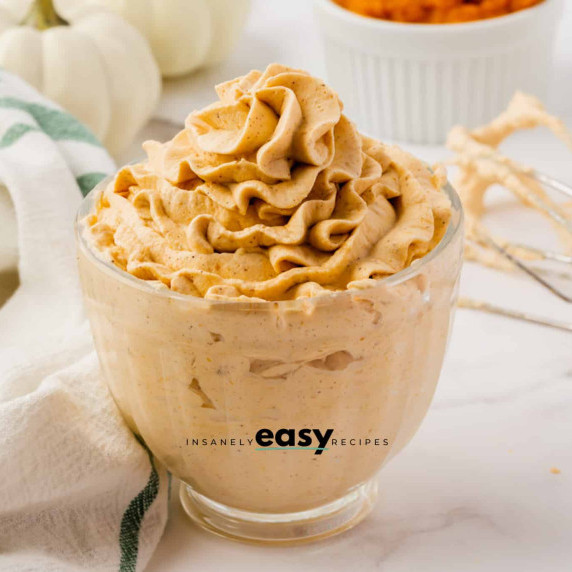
(454,228)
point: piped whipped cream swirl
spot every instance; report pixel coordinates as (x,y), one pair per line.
(270,193)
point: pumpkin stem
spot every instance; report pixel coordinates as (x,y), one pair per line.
(43,16)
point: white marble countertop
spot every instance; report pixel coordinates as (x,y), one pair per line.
(474,490)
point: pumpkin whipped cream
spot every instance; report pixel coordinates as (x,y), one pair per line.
(270,193)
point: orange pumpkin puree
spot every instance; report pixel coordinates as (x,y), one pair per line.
(435,11)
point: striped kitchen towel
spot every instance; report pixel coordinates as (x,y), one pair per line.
(77,490)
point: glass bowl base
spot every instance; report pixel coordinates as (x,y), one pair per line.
(280,529)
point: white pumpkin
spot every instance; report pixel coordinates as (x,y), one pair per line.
(185,34)
(97,66)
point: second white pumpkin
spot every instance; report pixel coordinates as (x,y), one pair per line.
(185,34)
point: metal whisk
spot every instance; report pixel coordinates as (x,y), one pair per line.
(542,254)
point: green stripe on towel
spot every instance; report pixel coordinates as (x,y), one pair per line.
(88,181)
(15,133)
(59,125)
(133,519)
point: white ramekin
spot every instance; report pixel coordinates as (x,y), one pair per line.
(413,82)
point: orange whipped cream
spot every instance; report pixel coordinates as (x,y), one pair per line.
(436,11)
(270,193)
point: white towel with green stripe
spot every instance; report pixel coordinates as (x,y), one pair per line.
(77,490)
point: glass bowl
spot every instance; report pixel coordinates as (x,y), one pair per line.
(275,416)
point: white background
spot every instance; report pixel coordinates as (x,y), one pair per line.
(474,490)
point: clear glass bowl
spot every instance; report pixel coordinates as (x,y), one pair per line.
(198,380)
